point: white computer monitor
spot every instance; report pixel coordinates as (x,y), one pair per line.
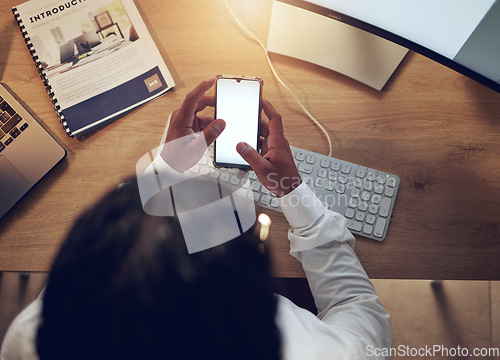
(461,34)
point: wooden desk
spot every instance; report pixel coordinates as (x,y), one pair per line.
(436,129)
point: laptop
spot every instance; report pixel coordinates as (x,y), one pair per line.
(27,151)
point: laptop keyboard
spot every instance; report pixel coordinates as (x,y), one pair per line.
(11,124)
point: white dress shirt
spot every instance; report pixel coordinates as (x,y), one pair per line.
(350,319)
(351,322)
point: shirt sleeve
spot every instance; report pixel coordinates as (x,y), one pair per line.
(19,341)
(345,297)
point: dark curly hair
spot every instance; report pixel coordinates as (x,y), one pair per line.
(124,286)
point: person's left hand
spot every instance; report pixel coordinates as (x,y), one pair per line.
(189,135)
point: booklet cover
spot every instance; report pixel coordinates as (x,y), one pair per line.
(96,58)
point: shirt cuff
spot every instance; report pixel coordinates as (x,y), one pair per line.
(301,207)
(154,187)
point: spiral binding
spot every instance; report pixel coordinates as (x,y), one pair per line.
(39,66)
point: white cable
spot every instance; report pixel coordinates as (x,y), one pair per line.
(278,78)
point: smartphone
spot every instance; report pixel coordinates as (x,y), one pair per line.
(238,101)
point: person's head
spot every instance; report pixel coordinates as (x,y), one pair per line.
(123,286)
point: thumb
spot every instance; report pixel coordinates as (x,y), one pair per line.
(213,130)
(251,156)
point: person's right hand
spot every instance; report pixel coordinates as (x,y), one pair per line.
(276,168)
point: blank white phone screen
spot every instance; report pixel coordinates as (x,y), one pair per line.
(238,105)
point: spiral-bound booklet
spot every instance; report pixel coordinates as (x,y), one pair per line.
(96,58)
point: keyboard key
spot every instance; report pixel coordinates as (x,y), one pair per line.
(4,106)
(1,134)
(391,181)
(8,141)
(310,159)
(379,227)
(25,126)
(373,209)
(2,146)
(265,199)
(362,205)
(354,225)
(205,170)
(378,188)
(274,203)
(355,193)
(389,191)
(11,123)
(225,176)
(330,185)
(252,175)
(368,185)
(255,186)
(214,174)
(234,180)
(352,202)
(376,199)
(360,216)
(367,229)
(343,179)
(384,207)
(324,163)
(371,175)
(264,190)
(15,132)
(319,183)
(346,169)
(357,182)
(360,172)
(4,117)
(322,173)
(370,219)
(340,188)
(349,213)
(300,155)
(305,168)
(381,178)
(10,110)
(365,195)
(332,175)
(335,165)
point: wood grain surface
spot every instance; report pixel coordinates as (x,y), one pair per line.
(436,129)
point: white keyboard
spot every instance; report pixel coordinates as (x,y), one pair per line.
(364,196)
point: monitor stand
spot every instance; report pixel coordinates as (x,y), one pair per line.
(324,41)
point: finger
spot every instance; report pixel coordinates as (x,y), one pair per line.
(206,100)
(275,123)
(204,121)
(252,157)
(264,128)
(213,130)
(190,103)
